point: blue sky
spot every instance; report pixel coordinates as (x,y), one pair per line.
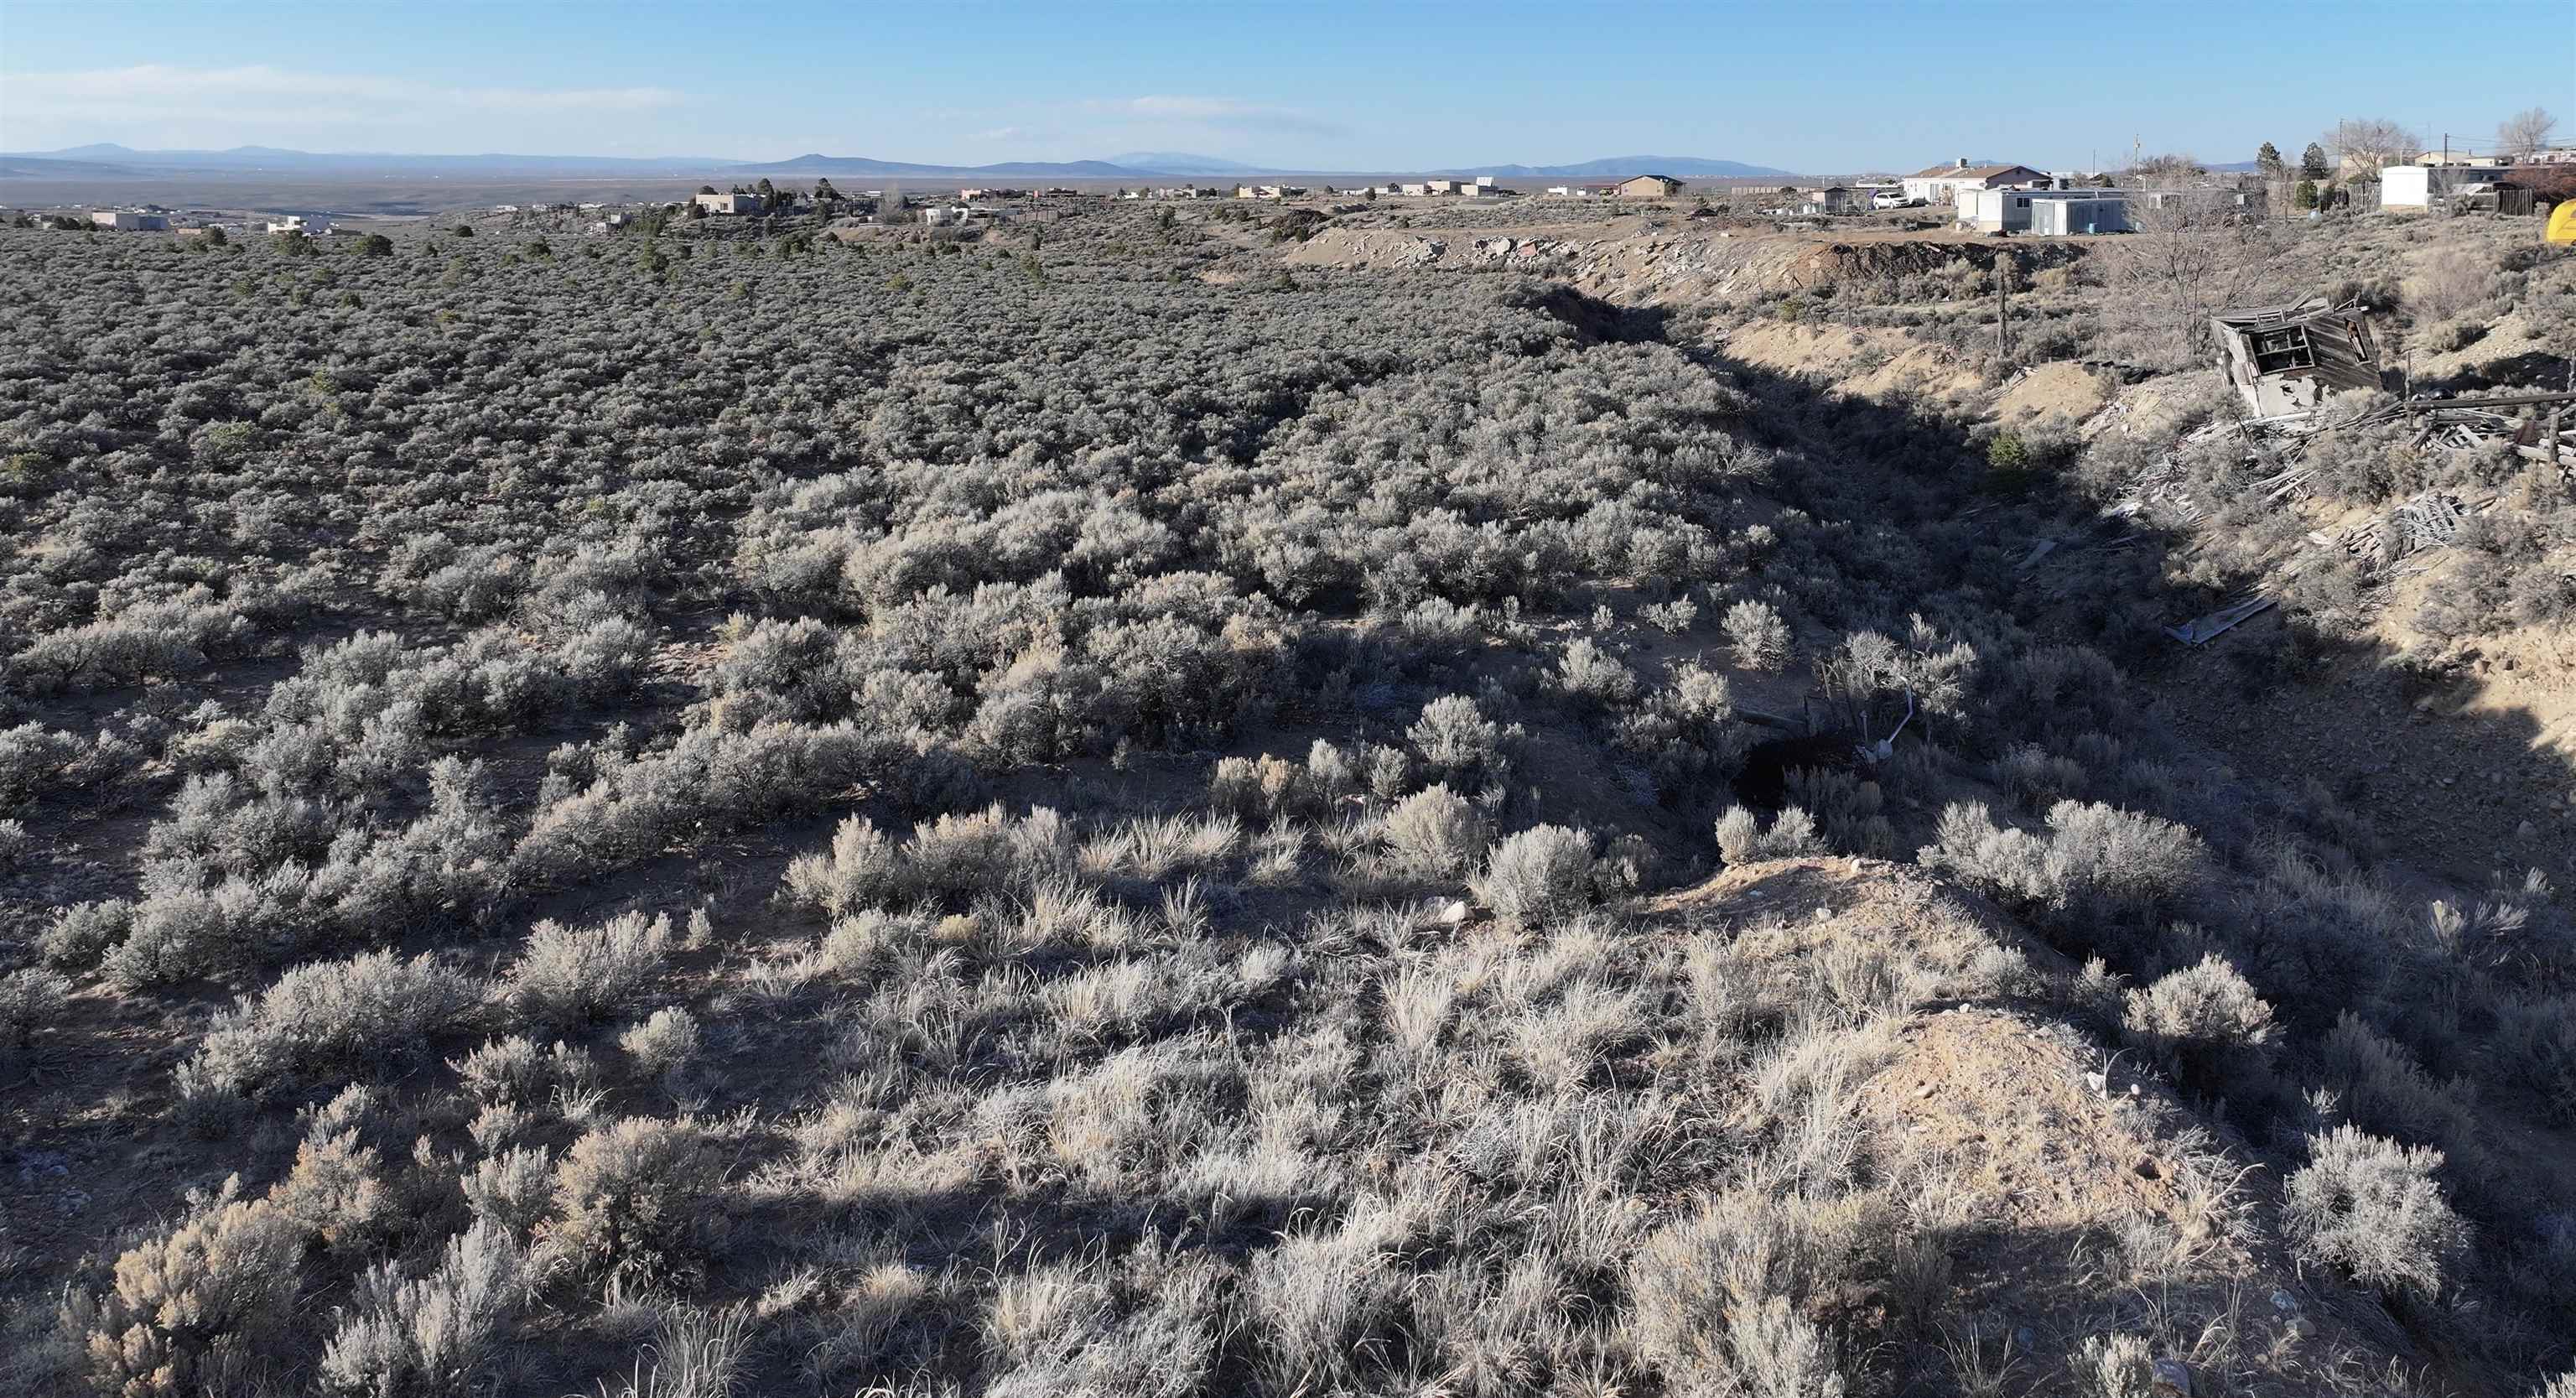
(1816,87)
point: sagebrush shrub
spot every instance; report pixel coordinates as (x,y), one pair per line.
(570,975)
(30,1000)
(1537,874)
(664,1045)
(631,1199)
(2094,861)
(197,1309)
(1457,741)
(1742,840)
(1760,637)
(1434,833)
(2202,1021)
(2371,1209)
(431,1335)
(328,1020)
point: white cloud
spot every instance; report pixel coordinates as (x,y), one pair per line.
(1219,112)
(262,95)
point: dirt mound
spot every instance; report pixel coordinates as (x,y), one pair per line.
(2073,1196)
(1864,362)
(2064,390)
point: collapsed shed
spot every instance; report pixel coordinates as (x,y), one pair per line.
(2286,359)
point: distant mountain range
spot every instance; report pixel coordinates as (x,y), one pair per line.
(127,163)
(1617,165)
(108,161)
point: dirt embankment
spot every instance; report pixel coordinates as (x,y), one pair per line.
(1646,266)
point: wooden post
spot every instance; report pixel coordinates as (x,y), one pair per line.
(2556,465)
(2003,307)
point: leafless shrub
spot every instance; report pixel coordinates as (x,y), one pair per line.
(512,1190)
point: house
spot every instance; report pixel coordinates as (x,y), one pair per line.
(1441,186)
(129,221)
(2013,210)
(298,223)
(738,202)
(1647,187)
(1416,190)
(2286,359)
(1833,199)
(1941,183)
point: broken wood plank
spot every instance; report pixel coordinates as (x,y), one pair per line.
(2201,630)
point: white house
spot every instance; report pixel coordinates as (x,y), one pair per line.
(298,223)
(1942,183)
(2044,211)
(129,221)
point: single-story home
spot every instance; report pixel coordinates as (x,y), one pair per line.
(1648,187)
(1942,183)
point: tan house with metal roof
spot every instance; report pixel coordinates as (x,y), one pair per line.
(1648,187)
(1941,184)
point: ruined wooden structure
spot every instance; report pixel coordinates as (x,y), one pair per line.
(2286,359)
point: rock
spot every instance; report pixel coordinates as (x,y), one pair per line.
(2172,1379)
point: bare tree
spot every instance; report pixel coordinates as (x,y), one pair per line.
(2191,252)
(2174,165)
(2525,131)
(2364,146)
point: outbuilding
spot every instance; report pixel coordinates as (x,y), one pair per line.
(2045,211)
(1647,187)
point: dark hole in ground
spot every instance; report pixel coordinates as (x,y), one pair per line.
(1763,784)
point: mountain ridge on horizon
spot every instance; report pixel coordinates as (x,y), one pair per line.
(106,159)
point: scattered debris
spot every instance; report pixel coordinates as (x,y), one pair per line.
(2201,630)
